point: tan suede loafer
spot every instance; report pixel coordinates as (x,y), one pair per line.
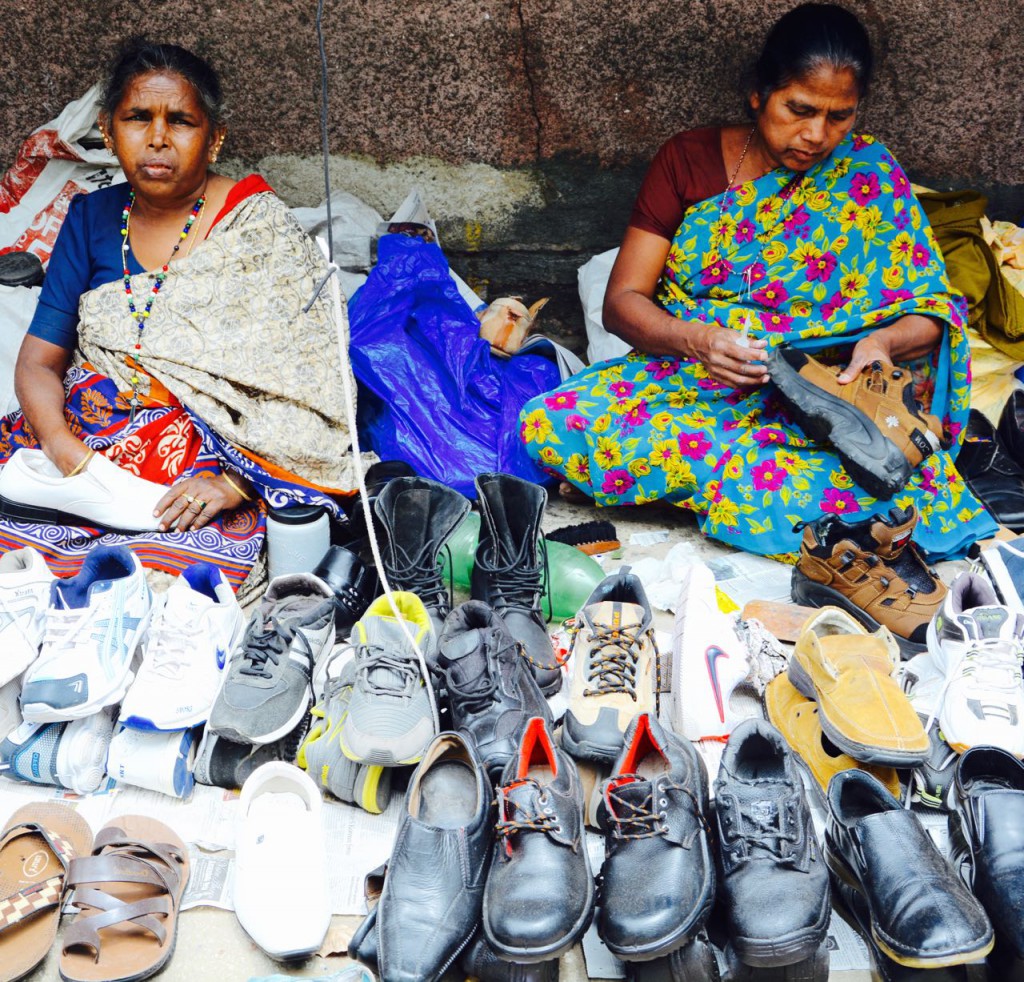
(797,718)
(851,675)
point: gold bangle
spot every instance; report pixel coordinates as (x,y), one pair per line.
(245,497)
(83,463)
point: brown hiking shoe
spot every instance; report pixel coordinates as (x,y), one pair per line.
(873,571)
(875,424)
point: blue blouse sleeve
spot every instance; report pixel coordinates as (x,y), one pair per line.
(67,278)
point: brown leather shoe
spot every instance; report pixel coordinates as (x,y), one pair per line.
(851,675)
(873,571)
(875,424)
(796,718)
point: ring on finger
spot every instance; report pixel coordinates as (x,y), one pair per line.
(189,498)
(202,505)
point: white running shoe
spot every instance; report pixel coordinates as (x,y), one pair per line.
(195,627)
(82,752)
(708,660)
(95,622)
(977,644)
(24,596)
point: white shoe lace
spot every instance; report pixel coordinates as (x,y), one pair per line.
(66,629)
(170,645)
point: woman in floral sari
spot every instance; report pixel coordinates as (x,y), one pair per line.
(173,336)
(790,230)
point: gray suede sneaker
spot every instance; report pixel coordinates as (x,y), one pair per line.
(267,690)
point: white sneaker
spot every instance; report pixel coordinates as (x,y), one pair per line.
(82,752)
(708,660)
(95,622)
(195,627)
(153,760)
(281,894)
(32,489)
(24,596)
(977,645)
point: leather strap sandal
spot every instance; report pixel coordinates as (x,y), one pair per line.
(128,894)
(36,847)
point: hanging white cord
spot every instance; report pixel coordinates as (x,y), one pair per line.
(357,463)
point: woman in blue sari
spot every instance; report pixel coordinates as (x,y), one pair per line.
(790,229)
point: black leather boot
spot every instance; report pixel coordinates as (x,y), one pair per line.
(355,586)
(509,569)
(417,517)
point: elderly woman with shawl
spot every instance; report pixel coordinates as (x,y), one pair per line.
(787,229)
(172,336)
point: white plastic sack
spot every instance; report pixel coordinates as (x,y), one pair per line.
(593,280)
(17,305)
(353,229)
(59,160)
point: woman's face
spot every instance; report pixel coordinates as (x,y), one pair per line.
(162,137)
(801,123)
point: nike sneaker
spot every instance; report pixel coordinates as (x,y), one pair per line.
(94,623)
(24,596)
(616,668)
(708,660)
(391,714)
(1004,563)
(978,644)
(196,625)
(69,755)
(268,688)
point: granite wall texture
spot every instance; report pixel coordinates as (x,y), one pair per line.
(526,122)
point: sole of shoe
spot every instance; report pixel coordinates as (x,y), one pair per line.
(41,712)
(814,968)
(873,461)
(19,511)
(849,881)
(374,756)
(882,756)
(810,593)
(82,753)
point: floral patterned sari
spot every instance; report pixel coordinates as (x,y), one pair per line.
(237,375)
(817,262)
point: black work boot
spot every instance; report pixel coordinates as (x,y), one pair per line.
(417,517)
(509,569)
(481,961)
(492,693)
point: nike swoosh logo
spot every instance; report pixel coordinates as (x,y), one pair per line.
(711,657)
(222,657)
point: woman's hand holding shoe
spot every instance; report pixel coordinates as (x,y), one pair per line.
(727,360)
(194,502)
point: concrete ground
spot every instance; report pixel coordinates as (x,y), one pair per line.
(213,948)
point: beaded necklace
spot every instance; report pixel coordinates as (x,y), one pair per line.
(140,316)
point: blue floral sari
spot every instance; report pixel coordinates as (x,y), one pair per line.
(818,262)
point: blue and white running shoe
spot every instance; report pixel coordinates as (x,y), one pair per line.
(196,625)
(95,621)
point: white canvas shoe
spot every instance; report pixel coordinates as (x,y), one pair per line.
(195,627)
(281,898)
(32,489)
(24,596)
(708,660)
(95,621)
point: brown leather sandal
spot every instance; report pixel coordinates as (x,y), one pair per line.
(127,893)
(36,847)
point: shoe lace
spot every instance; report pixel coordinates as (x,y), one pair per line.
(764,832)
(613,665)
(475,694)
(518,582)
(994,662)
(641,820)
(522,818)
(420,575)
(403,668)
(267,646)
(169,645)
(67,628)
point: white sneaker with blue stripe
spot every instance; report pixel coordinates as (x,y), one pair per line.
(94,623)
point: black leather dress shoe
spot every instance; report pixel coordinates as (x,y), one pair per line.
(986,830)
(657,884)
(991,473)
(355,586)
(1011,426)
(922,916)
(774,882)
(539,897)
(433,892)
(491,691)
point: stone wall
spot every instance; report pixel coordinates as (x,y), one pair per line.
(527,123)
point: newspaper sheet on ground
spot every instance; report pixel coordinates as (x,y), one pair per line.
(357,842)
